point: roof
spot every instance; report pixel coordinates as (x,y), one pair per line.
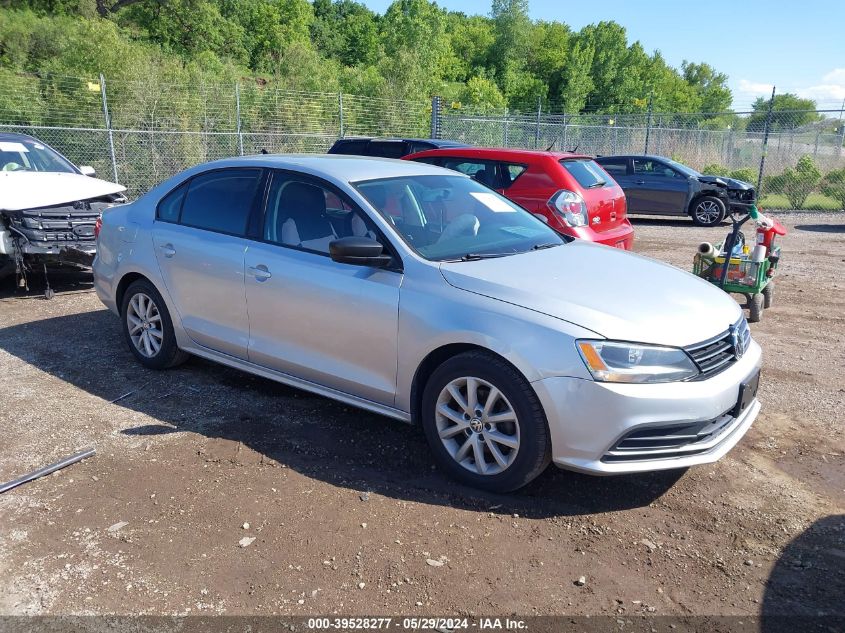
(440,142)
(338,167)
(646,156)
(498,153)
(8,136)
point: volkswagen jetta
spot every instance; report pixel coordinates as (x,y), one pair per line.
(415,292)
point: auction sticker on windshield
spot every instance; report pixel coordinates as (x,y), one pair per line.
(12,147)
(492,202)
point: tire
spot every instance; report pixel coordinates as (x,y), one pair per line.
(769,294)
(707,211)
(755,307)
(160,350)
(512,436)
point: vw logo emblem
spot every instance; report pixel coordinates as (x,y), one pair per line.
(738,342)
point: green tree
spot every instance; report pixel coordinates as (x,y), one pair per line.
(833,186)
(482,93)
(710,85)
(512,32)
(347,31)
(471,39)
(789,111)
(796,184)
(549,52)
(576,79)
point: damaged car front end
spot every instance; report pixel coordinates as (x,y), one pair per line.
(49,220)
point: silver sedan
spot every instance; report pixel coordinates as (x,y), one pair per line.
(417,293)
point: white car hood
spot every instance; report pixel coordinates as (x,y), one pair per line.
(617,294)
(32,189)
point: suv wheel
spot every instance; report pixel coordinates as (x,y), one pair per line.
(148,328)
(708,211)
(484,423)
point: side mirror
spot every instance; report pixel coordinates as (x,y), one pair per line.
(87,170)
(358,251)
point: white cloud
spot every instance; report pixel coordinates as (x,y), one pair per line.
(753,89)
(831,90)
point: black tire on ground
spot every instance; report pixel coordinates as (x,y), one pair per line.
(534,451)
(707,211)
(169,355)
(755,307)
(769,294)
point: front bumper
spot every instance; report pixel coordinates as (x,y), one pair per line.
(588,419)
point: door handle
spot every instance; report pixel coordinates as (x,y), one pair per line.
(167,250)
(640,182)
(260,272)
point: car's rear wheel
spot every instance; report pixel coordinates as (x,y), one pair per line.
(148,328)
(484,423)
(708,211)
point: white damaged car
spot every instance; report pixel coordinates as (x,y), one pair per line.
(49,208)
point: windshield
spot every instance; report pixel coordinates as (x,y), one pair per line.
(26,154)
(684,169)
(454,218)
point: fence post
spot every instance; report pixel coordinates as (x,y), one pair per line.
(238,112)
(841,130)
(435,117)
(565,133)
(507,121)
(648,123)
(765,144)
(107,119)
(537,130)
(340,112)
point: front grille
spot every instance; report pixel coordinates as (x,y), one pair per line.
(62,224)
(663,442)
(717,354)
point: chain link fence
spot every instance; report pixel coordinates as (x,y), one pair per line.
(139,132)
(795,158)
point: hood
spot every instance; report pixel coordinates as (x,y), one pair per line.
(730,183)
(612,292)
(33,189)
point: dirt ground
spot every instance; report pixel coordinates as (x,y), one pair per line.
(346,513)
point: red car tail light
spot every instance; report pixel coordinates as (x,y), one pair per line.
(97,226)
(570,206)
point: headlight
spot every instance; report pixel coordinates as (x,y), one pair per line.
(613,361)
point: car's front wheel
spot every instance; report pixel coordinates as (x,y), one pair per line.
(708,211)
(484,423)
(148,328)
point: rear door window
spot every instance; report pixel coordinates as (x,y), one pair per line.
(356,147)
(387,149)
(586,172)
(509,172)
(421,147)
(221,200)
(483,171)
(170,206)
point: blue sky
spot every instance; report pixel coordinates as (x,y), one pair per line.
(797,46)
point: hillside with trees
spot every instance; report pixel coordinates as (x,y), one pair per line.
(416,49)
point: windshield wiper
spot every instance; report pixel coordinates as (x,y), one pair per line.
(539,247)
(598,183)
(470,257)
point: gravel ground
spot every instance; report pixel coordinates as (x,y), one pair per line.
(216,492)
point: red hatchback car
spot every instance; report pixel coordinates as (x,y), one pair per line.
(570,192)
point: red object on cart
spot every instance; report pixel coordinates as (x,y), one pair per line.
(766,236)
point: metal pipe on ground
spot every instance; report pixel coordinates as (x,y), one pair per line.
(46,470)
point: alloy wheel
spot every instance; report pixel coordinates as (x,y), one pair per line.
(477,425)
(708,212)
(144,322)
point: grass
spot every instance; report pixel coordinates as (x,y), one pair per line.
(815,202)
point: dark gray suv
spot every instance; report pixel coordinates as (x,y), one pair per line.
(656,185)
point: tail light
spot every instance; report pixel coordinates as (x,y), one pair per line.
(97,226)
(570,206)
